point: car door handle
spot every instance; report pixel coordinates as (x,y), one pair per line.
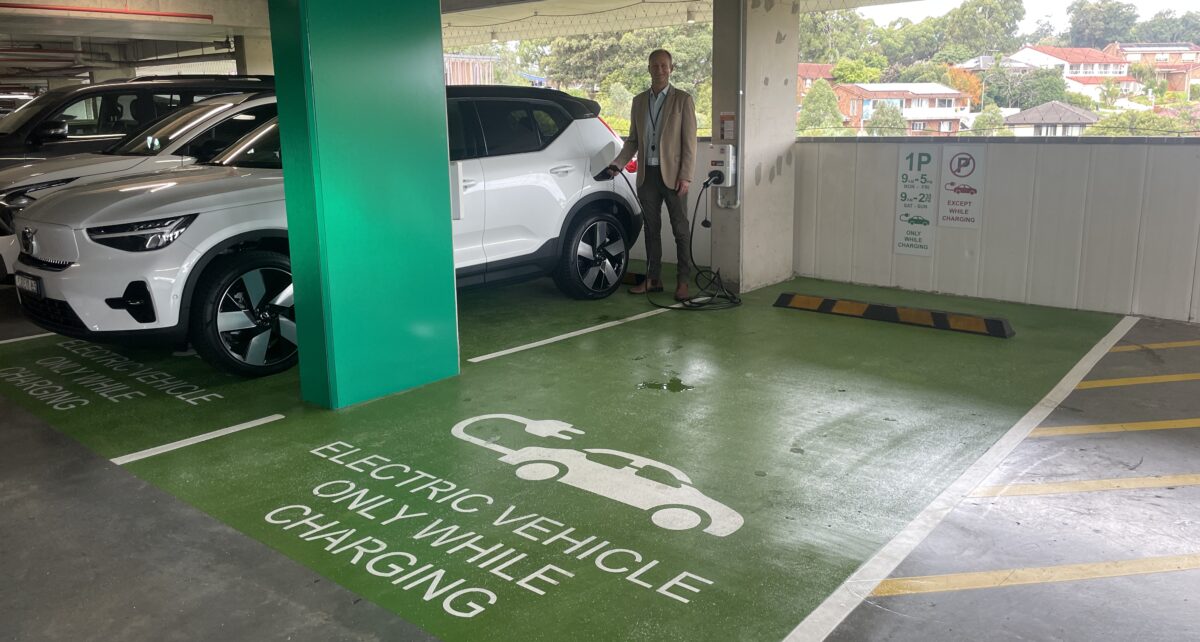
(562,170)
(469,182)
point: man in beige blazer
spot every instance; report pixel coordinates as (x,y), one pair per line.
(662,132)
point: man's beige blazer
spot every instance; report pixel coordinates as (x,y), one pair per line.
(677,144)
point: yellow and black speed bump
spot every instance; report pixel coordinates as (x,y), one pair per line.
(992,327)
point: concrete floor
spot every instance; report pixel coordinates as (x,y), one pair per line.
(824,435)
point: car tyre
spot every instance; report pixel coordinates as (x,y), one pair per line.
(595,256)
(243,314)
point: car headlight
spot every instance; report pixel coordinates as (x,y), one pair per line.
(18,199)
(143,235)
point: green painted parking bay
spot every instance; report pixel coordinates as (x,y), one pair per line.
(684,476)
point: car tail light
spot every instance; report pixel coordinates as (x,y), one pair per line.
(610,129)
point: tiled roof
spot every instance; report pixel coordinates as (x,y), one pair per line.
(1151,47)
(1053,113)
(1099,80)
(1079,55)
(813,70)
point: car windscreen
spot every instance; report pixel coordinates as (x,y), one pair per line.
(28,111)
(259,148)
(151,140)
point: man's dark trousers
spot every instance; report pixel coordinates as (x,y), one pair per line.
(652,193)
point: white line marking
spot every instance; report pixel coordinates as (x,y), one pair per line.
(569,335)
(32,336)
(176,445)
(826,617)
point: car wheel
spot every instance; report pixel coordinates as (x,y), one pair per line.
(243,314)
(540,471)
(594,258)
(676,518)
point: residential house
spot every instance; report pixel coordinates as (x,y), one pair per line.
(809,72)
(1176,62)
(459,69)
(929,109)
(1085,70)
(1051,119)
(980,64)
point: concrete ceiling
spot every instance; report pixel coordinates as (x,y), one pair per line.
(471,22)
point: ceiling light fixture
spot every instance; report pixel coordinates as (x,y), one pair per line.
(691,17)
(494,38)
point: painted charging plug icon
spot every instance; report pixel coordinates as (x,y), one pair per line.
(663,490)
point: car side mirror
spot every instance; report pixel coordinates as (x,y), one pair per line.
(50,130)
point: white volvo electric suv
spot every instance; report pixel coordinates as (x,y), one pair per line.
(195,133)
(200,253)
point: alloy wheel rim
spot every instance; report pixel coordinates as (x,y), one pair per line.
(256,317)
(601,256)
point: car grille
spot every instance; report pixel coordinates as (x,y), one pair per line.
(42,264)
(52,313)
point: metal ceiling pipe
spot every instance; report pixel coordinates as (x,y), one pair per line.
(127,12)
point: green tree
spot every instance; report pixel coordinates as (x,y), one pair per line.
(828,36)
(1100,22)
(819,116)
(1167,26)
(1084,101)
(848,71)
(989,122)
(1147,75)
(924,72)
(887,120)
(1045,34)
(1042,86)
(979,25)
(1194,92)
(1025,90)
(1110,92)
(584,61)
(904,42)
(1139,123)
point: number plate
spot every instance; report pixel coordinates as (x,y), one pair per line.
(30,285)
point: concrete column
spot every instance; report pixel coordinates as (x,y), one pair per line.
(253,55)
(101,75)
(56,81)
(754,71)
(368,195)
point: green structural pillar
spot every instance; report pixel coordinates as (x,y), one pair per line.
(362,111)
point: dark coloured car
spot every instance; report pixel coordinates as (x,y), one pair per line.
(89,118)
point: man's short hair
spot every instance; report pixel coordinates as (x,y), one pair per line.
(654,53)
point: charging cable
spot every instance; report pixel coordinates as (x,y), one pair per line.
(712,293)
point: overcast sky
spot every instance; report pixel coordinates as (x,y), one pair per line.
(1034,10)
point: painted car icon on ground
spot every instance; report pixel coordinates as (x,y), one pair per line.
(663,490)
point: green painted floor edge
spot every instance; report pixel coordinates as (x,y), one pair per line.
(826,434)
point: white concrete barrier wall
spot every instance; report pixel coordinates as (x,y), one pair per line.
(702,243)
(1112,227)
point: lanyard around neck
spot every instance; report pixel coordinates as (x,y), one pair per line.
(653,116)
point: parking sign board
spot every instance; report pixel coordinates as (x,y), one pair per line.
(916,185)
(961,193)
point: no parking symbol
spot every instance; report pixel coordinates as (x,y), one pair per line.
(961,195)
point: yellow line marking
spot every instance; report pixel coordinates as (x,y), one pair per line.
(1156,346)
(852,308)
(969,324)
(1035,575)
(1087,486)
(1121,427)
(805,302)
(1137,381)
